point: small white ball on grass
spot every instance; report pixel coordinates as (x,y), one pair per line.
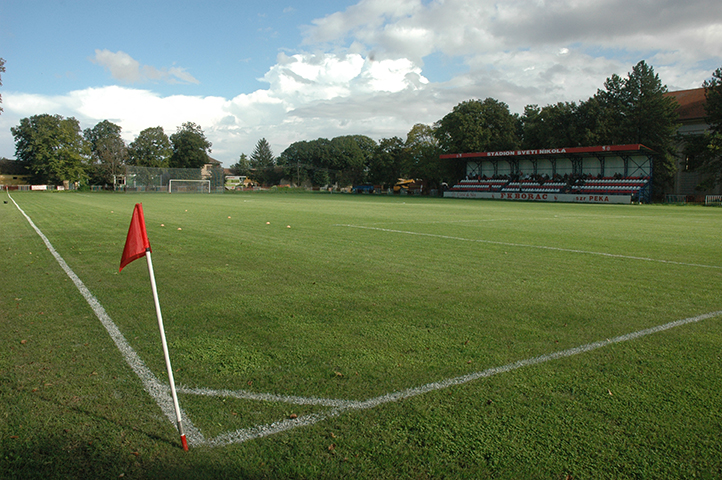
(288,226)
(162,224)
(268,223)
(179,228)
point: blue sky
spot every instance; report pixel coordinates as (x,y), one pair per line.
(289,71)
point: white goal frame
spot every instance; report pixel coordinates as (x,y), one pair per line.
(170,183)
(713,199)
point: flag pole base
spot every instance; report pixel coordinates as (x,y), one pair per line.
(184,442)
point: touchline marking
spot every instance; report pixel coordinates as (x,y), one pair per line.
(157,390)
(265,397)
(523,245)
(259,431)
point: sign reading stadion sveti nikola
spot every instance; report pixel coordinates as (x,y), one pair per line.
(546,197)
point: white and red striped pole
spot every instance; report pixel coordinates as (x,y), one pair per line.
(184,442)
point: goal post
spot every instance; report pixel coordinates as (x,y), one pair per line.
(180,185)
(713,200)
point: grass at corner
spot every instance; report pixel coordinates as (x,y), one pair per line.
(428,289)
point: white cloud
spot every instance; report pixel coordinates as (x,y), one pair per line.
(363,70)
(125,68)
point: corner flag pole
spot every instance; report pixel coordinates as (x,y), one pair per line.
(184,442)
(137,245)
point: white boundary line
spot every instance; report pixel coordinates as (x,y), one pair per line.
(157,390)
(259,431)
(523,245)
(161,393)
(265,397)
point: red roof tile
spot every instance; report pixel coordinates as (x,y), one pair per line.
(691,103)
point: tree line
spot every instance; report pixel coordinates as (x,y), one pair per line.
(628,110)
(53,149)
(633,109)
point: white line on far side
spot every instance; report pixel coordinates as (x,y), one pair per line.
(523,245)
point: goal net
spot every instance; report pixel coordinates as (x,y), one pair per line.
(178,185)
(188,180)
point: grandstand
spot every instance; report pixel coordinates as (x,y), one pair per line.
(602,174)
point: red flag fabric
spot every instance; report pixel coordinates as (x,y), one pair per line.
(137,242)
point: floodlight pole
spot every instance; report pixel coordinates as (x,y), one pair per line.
(184,442)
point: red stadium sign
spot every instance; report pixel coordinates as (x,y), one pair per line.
(550,151)
(542,197)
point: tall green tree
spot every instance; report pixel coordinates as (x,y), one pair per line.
(151,148)
(422,149)
(553,126)
(478,126)
(262,155)
(52,148)
(636,110)
(705,151)
(390,162)
(242,166)
(263,162)
(108,152)
(348,157)
(190,147)
(713,104)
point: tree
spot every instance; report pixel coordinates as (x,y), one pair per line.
(2,70)
(476,126)
(108,152)
(242,166)
(151,148)
(52,148)
(705,151)
(713,104)
(389,163)
(347,157)
(12,167)
(553,126)
(190,147)
(262,162)
(636,110)
(262,156)
(422,149)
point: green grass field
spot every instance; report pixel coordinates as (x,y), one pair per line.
(350,298)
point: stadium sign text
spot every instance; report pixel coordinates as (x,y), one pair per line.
(542,197)
(516,153)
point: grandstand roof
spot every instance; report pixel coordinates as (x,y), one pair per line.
(567,151)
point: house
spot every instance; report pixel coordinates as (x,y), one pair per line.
(692,119)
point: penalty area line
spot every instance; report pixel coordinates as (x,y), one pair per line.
(155,388)
(524,245)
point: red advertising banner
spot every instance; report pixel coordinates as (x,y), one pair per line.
(550,151)
(543,197)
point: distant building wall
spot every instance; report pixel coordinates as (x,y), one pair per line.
(692,117)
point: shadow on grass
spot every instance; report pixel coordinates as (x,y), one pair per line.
(59,457)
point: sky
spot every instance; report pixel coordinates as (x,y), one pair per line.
(289,71)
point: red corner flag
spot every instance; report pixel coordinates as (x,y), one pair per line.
(137,242)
